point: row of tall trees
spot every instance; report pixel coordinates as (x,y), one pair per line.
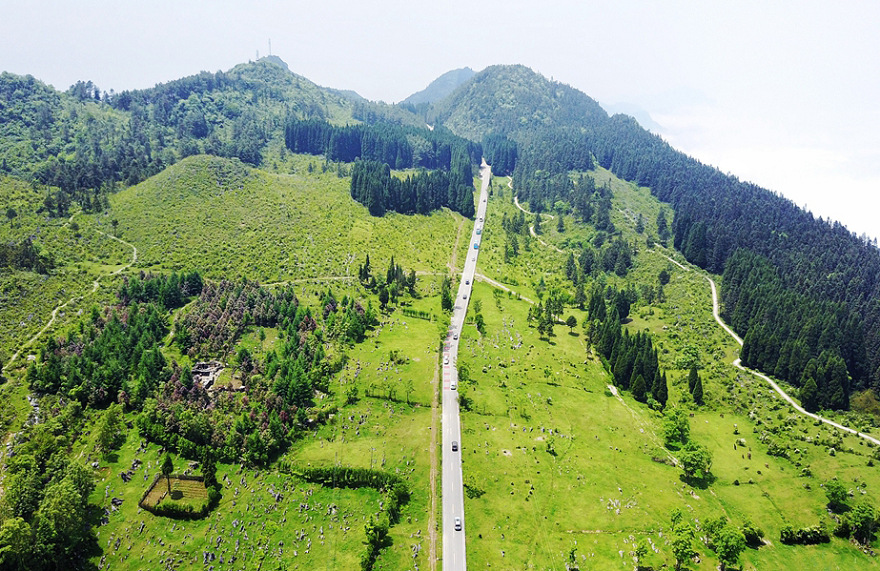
(545,160)
(501,153)
(631,359)
(170,291)
(373,186)
(398,146)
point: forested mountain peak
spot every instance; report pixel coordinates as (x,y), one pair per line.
(511,99)
(277,61)
(440,87)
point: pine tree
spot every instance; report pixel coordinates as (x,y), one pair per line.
(580,298)
(693,377)
(167,468)
(639,389)
(810,395)
(698,391)
(571,268)
(662,395)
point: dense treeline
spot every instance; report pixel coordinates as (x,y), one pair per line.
(815,262)
(171,291)
(111,357)
(398,146)
(811,344)
(546,158)
(373,186)
(25,255)
(631,359)
(501,153)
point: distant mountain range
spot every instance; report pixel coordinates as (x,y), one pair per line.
(441,87)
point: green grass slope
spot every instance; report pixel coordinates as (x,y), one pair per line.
(225,219)
(554,461)
(78,254)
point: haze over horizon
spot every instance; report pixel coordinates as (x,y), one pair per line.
(780,95)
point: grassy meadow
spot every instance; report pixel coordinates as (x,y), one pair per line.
(226,219)
(553,459)
(556,461)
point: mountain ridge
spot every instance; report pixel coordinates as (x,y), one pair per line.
(440,87)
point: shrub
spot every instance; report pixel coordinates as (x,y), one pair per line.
(804,536)
(753,534)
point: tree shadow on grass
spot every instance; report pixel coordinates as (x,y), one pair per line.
(839,509)
(701,482)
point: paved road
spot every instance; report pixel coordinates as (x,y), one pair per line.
(453,490)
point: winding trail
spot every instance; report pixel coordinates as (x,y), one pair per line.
(95,285)
(532,226)
(518,205)
(501,286)
(794,404)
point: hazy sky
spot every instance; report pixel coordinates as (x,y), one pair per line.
(783,94)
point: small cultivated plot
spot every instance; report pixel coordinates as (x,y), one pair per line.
(263,517)
(176,490)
